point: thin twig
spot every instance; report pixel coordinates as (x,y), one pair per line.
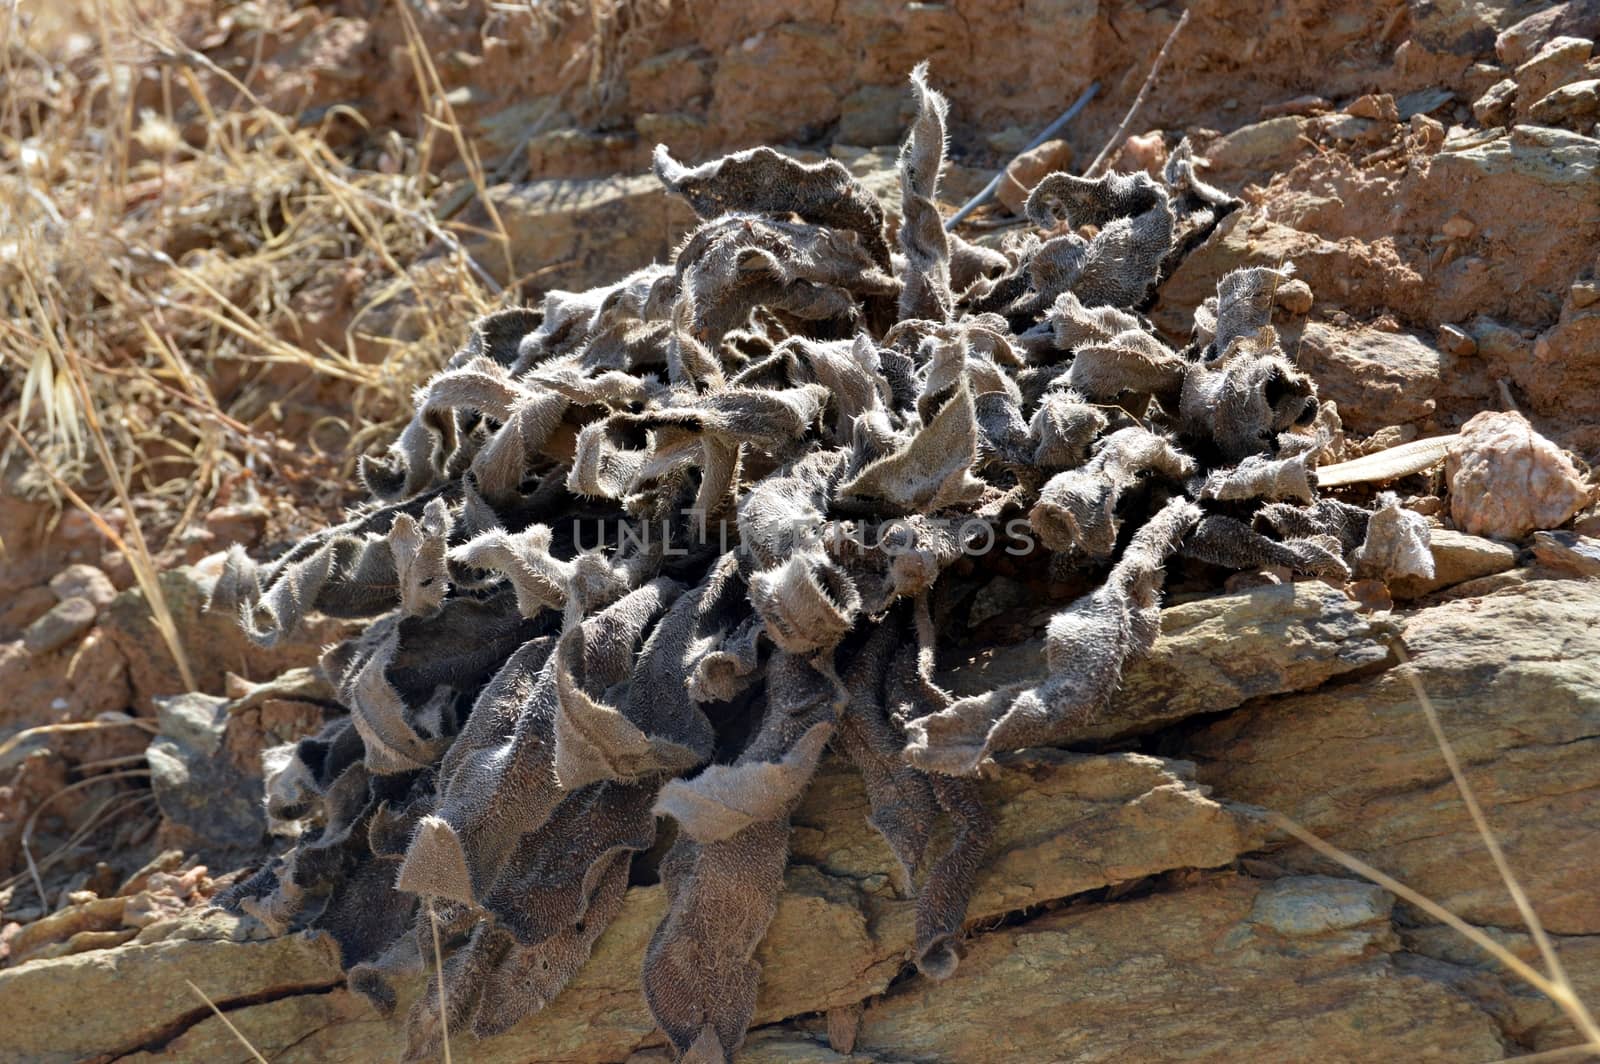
(33,820)
(444,237)
(1049,131)
(1138,101)
(103,814)
(38,880)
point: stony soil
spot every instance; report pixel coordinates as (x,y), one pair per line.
(1433,172)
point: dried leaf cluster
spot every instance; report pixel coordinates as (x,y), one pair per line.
(641,556)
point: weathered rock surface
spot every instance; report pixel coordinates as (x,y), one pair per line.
(1512,676)
(1377,378)
(1515,184)
(1257,149)
(1528,1017)
(1374,242)
(874,115)
(1558,63)
(1568,551)
(1215,654)
(1302,968)
(1522,39)
(158,895)
(1494,107)
(72,683)
(1563,373)
(110,1002)
(209,804)
(1574,107)
(1342,272)
(214,646)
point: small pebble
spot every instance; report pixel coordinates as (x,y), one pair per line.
(1380,107)
(63,624)
(1456,341)
(1147,152)
(1459,227)
(243,523)
(85,582)
(1294,296)
(1429,133)
(1493,108)
(28,606)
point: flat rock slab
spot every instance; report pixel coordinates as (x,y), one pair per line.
(1232,969)
(1377,378)
(1568,551)
(1214,654)
(110,1002)
(575,233)
(1513,677)
(1457,558)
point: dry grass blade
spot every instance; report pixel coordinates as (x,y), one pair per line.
(358,220)
(1475,935)
(201,994)
(33,820)
(103,814)
(139,557)
(438,968)
(86,725)
(1580,1015)
(1554,984)
(433,85)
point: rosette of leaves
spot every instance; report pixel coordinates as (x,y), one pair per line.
(646,553)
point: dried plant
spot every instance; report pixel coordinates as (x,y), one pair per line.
(643,555)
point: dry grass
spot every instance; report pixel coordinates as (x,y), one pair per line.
(197,290)
(199,294)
